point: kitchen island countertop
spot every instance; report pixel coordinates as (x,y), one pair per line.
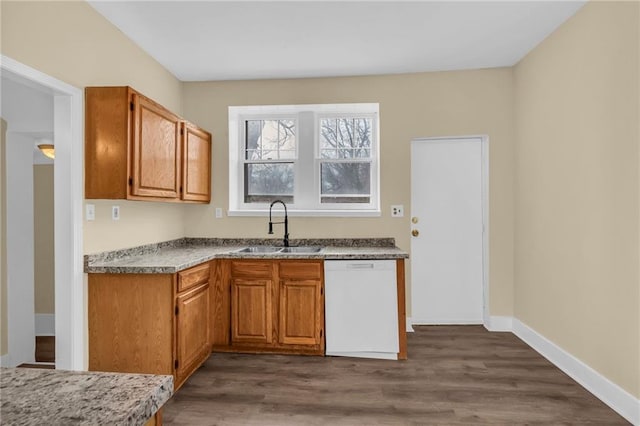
(174,256)
(58,397)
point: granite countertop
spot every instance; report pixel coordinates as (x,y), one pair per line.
(33,396)
(173,256)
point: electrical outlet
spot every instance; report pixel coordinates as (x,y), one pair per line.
(397,210)
(90,212)
(115,212)
(218,212)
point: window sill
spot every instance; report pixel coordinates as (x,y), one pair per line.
(307,213)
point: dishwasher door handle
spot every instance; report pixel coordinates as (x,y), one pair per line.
(360,266)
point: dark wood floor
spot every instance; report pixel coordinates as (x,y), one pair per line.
(45,352)
(45,349)
(455,375)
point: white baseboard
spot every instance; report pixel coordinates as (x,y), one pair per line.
(45,324)
(446,321)
(498,323)
(608,392)
(409,325)
(5,361)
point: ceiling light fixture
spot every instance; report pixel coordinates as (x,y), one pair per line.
(48,150)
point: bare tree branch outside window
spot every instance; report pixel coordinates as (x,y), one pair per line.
(345,169)
(267,144)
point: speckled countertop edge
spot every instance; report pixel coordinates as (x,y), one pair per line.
(40,396)
(173,256)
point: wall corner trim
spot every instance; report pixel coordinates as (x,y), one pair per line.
(5,361)
(45,324)
(608,392)
(499,323)
(410,325)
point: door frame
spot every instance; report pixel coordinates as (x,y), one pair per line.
(484,153)
(70,289)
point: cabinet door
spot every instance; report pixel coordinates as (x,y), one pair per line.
(251,311)
(300,312)
(155,160)
(192,331)
(196,166)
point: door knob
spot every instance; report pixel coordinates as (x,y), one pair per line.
(415,232)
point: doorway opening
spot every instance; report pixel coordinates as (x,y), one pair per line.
(19,312)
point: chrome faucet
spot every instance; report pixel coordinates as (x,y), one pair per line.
(286,222)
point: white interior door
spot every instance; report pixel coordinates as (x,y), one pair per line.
(447,228)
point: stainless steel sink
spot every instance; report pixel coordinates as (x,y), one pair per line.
(260,249)
(301,249)
(273,249)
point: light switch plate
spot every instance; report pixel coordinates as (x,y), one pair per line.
(397,210)
(90,212)
(218,212)
(115,212)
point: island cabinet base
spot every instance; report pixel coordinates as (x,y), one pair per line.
(156,420)
(150,323)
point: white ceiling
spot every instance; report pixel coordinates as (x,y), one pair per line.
(236,40)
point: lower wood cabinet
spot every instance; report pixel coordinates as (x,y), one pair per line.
(252,311)
(150,323)
(300,312)
(170,323)
(192,331)
(301,304)
(273,306)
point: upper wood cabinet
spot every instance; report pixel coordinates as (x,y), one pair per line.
(138,150)
(156,159)
(196,169)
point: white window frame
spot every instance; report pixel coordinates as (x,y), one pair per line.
(307,163)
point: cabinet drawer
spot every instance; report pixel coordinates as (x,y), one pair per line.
(300,270)
(252,269)
(193,276)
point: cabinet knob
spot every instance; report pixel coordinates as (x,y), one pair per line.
(415,232)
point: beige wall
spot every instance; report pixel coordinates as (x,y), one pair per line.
(82,48)
(44,260)
(577,185)
(413,105)
(4,335)
(141,222)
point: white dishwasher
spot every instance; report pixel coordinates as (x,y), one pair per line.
(361,308)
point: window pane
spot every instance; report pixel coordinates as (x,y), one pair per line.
(363,137)
(267,182)
(270,139)
(328,135)
(345,182)
(345,138)
(253,130)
